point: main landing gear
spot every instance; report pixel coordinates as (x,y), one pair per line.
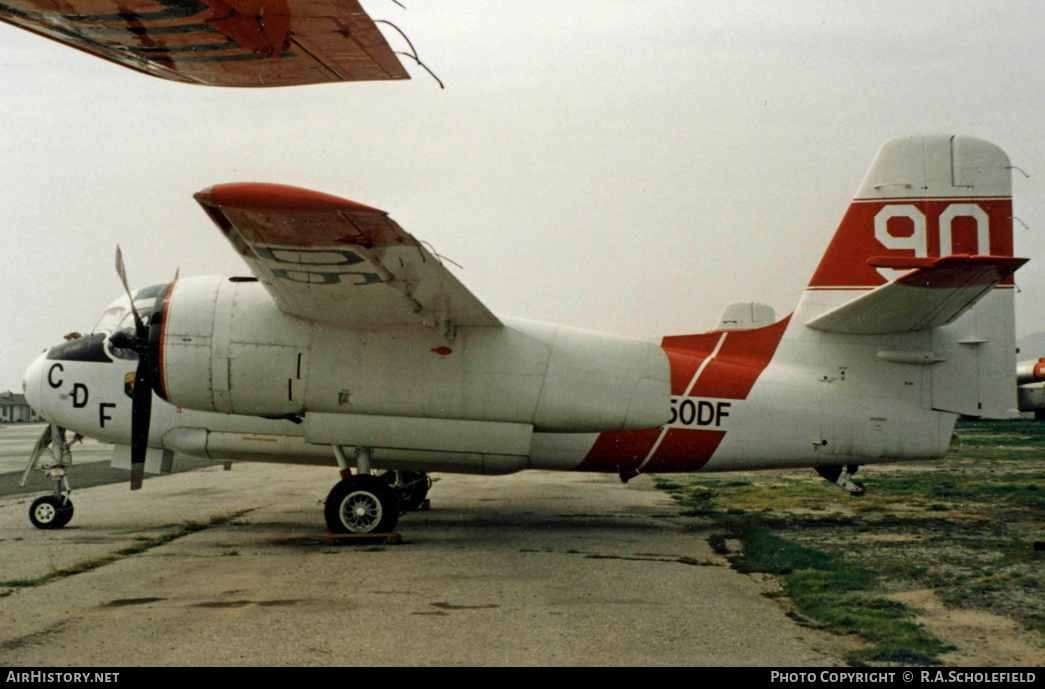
(843,478)
(361,504)
(364,503)
(411,488)
(56,510)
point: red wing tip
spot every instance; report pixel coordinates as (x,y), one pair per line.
(953,261)
(276,197)
(952,272)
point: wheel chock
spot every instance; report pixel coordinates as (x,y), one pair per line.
(364,539)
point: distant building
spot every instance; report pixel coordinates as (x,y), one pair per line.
(14,409)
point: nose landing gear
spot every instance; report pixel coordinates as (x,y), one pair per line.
(56,510)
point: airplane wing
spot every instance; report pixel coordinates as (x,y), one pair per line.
(935,293)
(327,259)
(220,42)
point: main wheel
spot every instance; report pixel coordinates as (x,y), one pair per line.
(410,487)
(50,512)
(361,504)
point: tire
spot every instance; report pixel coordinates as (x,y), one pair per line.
(361,504)
(50,512)
(410,487)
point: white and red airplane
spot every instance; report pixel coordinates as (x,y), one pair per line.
(352,345)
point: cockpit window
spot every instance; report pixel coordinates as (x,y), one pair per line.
(128,320)
(110,319)
(149,292)
(118,315)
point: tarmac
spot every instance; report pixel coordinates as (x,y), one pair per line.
(232,568)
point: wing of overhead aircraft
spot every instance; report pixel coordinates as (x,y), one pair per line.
(336,261)
(220,42)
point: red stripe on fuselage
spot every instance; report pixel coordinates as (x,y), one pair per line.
(686,360)
(729,374)
(684,449)
(620,451)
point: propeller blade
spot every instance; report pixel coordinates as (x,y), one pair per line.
(141,411)
(141,402)
(122,272)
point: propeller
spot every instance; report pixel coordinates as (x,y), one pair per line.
(141,402)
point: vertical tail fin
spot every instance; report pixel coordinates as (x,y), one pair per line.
(926,247)
(924,196)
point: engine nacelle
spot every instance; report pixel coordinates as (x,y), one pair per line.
(222,344)
(1032,371)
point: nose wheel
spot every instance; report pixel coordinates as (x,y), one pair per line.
(56,510)
(51,512)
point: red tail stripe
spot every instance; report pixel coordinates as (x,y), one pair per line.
(845,263)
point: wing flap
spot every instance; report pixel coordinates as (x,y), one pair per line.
(336,261)
(220,42)
(936,292)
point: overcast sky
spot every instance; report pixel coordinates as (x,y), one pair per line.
(621,166)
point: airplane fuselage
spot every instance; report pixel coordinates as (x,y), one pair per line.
(496,401)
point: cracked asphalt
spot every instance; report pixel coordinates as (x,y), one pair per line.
(538,568)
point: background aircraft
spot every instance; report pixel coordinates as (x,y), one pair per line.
(352,344)
(1030,376)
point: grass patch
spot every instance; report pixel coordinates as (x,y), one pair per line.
(963,528)
(840,596)
(144,544)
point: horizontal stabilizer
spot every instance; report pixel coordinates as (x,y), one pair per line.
(936,292)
